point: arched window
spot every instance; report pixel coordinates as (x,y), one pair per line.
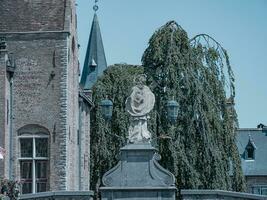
(34,158)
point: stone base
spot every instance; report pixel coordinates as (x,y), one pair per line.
(150,193)
(138,175)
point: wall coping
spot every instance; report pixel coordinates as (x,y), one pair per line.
(33,32)
(138,188)
(223,193)
(56,193)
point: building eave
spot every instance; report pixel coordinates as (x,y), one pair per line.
(86,99)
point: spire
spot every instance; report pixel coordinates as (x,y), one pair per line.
(95,60)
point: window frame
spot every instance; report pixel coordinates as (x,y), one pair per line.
(260,188)
(34,159)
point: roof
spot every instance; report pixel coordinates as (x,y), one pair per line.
(95,60)
(86,98)
(24,16)
(257,137)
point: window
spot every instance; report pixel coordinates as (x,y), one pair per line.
(250,149)
(250,152)
(34,162)
(259,189)
(73,45)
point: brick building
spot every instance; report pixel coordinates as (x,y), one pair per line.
(44,111)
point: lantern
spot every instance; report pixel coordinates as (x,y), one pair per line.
(172,110)
(106,108)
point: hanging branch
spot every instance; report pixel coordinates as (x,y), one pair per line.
(209,43)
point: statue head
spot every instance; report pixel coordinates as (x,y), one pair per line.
(140,80)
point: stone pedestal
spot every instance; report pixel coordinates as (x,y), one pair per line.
(138,175)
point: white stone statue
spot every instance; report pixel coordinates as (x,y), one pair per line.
(138,105)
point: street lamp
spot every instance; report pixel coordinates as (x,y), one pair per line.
(106,107)
(172,110)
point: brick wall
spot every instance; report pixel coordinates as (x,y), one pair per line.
(32,15)
(73,163)
(39,95)
(85,144)
(46,85)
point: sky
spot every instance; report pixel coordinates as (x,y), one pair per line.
(240,26)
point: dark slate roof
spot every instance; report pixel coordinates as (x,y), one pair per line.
(258,166)
(23,16)
(95,60)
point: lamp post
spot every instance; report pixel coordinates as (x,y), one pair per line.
(106,106)
(172,110)
(172,106)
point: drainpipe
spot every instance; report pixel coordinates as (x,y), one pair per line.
(11,130)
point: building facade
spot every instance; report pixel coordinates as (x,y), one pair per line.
(252,146)
(44,113)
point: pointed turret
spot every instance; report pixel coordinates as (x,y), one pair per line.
(95,60)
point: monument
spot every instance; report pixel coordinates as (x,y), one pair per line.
(138,175)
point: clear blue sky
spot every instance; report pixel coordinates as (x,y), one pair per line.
(239,25)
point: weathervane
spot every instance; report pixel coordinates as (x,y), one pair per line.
(95,6)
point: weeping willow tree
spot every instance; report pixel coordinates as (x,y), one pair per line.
(199,149)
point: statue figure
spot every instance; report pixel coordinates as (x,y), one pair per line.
(138,105)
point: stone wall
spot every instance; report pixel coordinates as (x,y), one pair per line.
(218,195)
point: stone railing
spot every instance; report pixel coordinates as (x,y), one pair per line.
(219,194)
(59,195)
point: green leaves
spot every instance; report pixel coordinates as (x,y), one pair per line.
(197,73)
(108,136)
(9,189)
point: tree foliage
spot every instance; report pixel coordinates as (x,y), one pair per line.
(9,189)
(199,149)
(108,136)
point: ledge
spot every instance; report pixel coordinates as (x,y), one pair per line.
(137,188)
(56,194)
(222,193)
(138,146)
(33,32)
